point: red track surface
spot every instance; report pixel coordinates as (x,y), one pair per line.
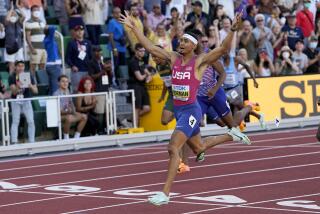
(278,174)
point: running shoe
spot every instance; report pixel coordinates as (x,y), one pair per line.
(159,199)
(262,122)
(183,168)
(239,136)
(242,126)
(200,157)
(254,106)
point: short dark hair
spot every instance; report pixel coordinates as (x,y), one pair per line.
(195,33)
(19,62)
(138,46)
(249,8)
(173,9)
(62,76)
(133,5)
(34,6)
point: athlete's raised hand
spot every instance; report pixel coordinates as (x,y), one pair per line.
(236,21)
(127,20)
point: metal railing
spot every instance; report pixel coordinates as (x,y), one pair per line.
(2,122)
(26,47)
(110,112)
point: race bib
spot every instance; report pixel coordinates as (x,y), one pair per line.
(192,121)
(181,92)
(20,96)
(167,81)
(82,55)
(105,80)
(234,94)
(231,79)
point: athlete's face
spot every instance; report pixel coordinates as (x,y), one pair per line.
(186,46)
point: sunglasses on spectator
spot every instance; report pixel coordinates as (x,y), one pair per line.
(204,41)
(211,29)
(260,20)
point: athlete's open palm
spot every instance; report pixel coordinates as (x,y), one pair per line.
(127,20)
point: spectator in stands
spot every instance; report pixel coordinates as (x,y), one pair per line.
(135,14)
(178,33)
(252,11)
(148,5)
(263,65)
(281,39)
(4,94)
(284,64)
(265,7)
(42,6)
(263,35)
(93,18)
(139,75)
(305,19)
(299,58)
(86,105)
(155,17)
(294,32)
(213,36)
(226,28)
(181,6)
(117,38)
(197,18)
(53,66)
(68,113)
(314,56)
(62,15)
(247,40)
(217,15)
(3,10)
(13,40)
(19,91)
(101,73)
(175,20)
(74,9)
(35,36)
(78,56)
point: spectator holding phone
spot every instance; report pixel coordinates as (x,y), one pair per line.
(263,66)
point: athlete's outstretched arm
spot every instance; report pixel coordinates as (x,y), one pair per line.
(146,43)
(222,76)
(216,53)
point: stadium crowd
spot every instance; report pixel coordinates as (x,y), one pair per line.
(277,38)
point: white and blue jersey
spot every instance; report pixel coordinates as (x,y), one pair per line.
(232,75)
(217,106)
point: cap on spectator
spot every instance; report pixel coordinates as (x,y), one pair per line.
(292,15)
(78,27)
(96,48)
(262,50)
(299,41)
(313,38)
(285,48)
(197,3)
(19,62)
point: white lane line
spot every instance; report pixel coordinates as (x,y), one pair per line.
(250,186)
(98,208)
(280,199)
(207,210)
(152,162)
(211,177)
(108,150)
(280,209)
(135,155)
(40,200)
